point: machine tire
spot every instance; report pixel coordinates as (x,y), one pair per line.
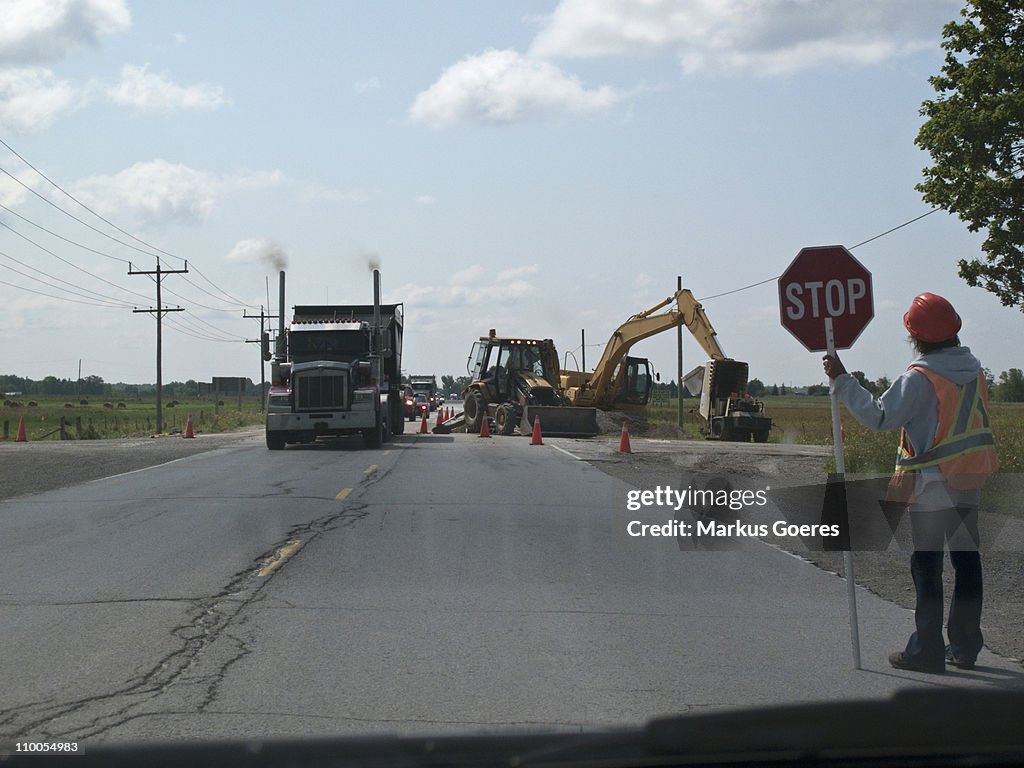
(505,419)
(373,437)
(275,441)
(761,436)
(396,415)
(474,408)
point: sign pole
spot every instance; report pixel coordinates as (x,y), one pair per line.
(837,442)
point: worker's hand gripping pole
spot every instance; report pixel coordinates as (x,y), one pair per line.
(837,442)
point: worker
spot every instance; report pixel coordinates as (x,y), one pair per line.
(940,406)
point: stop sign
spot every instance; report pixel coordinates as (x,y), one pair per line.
(822,282)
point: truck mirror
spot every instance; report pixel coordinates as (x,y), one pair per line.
(265,346)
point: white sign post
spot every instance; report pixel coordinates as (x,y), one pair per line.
(825,301)
(837,442)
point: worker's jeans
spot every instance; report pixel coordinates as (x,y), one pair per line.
(931,531)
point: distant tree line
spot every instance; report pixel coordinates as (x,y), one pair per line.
(1008,388)
(94,385)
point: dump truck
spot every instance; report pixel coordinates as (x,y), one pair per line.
(337,371)
(515,380)
(622,383)
(426,385)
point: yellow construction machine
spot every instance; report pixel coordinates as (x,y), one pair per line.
(515,380)
(619,382)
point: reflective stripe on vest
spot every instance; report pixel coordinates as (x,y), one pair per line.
(964,449)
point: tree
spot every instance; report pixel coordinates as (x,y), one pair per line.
(1011,386)
(755,387)
(882,383)
(862,379)
(975,135)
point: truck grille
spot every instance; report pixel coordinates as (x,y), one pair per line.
(321,390)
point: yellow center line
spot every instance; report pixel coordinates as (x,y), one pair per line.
(279,557)
(387,452)
(343,493)
(371,469)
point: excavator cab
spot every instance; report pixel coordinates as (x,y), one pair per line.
(635,383)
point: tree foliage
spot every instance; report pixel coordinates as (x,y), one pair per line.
(975,135)
(1011,386)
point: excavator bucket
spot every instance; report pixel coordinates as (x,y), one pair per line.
(561,421)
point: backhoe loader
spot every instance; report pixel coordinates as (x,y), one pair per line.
(623,383)
(515,380)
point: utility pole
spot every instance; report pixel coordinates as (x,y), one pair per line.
(264,352)
(679,363)
(160,311)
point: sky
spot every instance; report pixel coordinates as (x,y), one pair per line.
(538,167)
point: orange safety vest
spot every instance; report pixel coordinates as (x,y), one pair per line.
(964,449)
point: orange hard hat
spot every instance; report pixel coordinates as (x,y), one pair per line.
(931,318)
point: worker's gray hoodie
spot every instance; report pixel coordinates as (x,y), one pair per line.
(911,401)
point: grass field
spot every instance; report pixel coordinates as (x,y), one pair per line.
(97,418)
(808,420)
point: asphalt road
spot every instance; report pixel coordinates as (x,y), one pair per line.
(444,583)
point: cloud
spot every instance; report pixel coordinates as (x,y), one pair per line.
(31,98)
(154,189)
(471,287)
(313,192)
(365,86)
(502,86)
(257,250)
(32,31)
(148,92)
(424,200)
(12,193)
(157,190)
(759,36)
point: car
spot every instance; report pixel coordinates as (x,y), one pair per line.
(409,403)
(421,405)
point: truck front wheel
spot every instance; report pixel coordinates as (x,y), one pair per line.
(374,436)
(275,441)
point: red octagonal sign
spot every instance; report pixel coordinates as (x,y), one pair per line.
(822,282)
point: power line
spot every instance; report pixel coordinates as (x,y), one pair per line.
(70,264)
(890,231)
(858,245)
(108,222)
(109,301)
(51,296)
(79,202)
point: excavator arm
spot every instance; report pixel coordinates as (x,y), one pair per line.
(599,387)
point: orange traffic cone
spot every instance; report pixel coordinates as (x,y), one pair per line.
(188,427)
(537,439)
(624,440)
(21,438)
(485,425)
(448,413)
(423,425)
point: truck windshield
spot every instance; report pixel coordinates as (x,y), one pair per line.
(327,345)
